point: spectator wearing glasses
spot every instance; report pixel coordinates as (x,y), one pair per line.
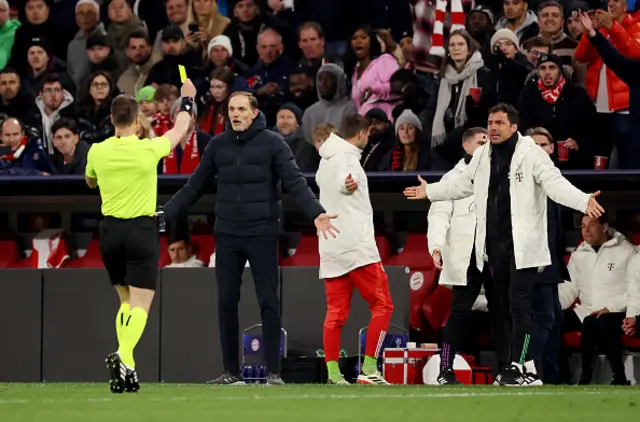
(101,58)
(535,47)
(53,103)
(94,110)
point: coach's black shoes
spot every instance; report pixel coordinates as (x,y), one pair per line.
(228,379)
(512,377)
(274,379)
(117,373)
(131,384)
(447,377)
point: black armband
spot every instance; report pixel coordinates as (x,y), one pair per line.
(187,104)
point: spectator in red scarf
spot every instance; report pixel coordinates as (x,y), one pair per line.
(213,116)
(564,109)
(164,97)
(411,152)
(20,155)
(186,157)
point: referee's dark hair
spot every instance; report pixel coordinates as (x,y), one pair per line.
(124,111)
(253,101)
(508,109)
(352,125)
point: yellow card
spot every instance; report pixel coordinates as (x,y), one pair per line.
(183,73)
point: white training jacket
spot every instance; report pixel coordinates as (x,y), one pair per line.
(532,176)
(355,245)
(598,279)
(633,286)
(450,230)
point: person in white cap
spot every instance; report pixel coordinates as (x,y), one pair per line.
(220,53)
(88,20)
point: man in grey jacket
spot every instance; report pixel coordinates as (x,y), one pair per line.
(88,20)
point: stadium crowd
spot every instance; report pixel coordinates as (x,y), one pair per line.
(422,72)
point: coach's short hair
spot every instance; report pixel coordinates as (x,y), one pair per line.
(508,109)
(124,110)
(540,131)
(253,101)
(470,133)
(352,125)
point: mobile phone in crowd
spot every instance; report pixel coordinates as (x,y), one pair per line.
(193,28)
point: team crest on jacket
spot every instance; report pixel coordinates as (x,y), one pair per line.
(519,176)
(611,266)
(472,207)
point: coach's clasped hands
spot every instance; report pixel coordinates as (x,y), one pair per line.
(417,192)
(324,226)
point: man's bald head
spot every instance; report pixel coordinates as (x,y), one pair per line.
(270,45)
(12,133)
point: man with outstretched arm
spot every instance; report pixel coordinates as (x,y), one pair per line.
(510,179)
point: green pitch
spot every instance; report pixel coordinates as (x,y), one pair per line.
(186,403)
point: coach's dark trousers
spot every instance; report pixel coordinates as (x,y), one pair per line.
(545,337)
(455,332)
(232,254)
(514,299)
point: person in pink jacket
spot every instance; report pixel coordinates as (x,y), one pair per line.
(371,74)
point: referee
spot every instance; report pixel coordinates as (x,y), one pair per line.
(125,168)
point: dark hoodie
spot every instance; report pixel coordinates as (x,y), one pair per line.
(111,65)
(305,154)
(22,42)
(250,167)
(75,166)
(166,70)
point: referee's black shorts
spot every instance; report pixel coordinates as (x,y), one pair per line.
(131,251)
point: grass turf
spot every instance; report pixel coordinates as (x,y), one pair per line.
(185,403)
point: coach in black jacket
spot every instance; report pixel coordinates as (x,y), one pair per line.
(250,162)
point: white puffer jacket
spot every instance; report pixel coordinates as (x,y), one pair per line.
(598,279)
(355,245)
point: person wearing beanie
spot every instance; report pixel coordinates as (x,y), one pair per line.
(411,152)
(508,69)
(288,121)
(176,52)
(87,13)
(40,63)
(551,19)
(381,140)
(220,54)
(101,57)
(145,99)
(573,26)
(480,24)
(565,109)
(519,19)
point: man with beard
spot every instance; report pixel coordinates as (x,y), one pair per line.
(140,63)
(302,87)
(381,139)
(562,108)
(480,27)
(519,19)
(14,101)
(101,58)
(334,103)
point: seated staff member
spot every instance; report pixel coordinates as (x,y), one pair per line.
(125,168)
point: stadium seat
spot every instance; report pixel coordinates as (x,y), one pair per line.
(306,254)
(572,339)
(631,343)
(414,255)
(10,253)
(384,248)
(91,259)
(203,246)
(635,238)
(437,307)
(164,252)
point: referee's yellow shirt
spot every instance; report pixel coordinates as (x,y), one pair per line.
(126,169)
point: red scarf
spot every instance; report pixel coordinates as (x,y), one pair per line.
(189,160)
(161,124)
(552,95)
(213,120)
(13,156)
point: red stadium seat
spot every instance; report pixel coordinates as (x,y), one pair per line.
(414,255)
(384,248)
(635,238)
(164,252)
(10,253)
(203,247)
(572,339)
(306,254)
(437,307)
(91,259)
(631,343)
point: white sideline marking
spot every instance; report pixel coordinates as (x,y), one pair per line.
(326,396)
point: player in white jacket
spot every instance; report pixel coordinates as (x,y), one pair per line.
(452,225)
(351,260)
(510,179)
(598,270)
